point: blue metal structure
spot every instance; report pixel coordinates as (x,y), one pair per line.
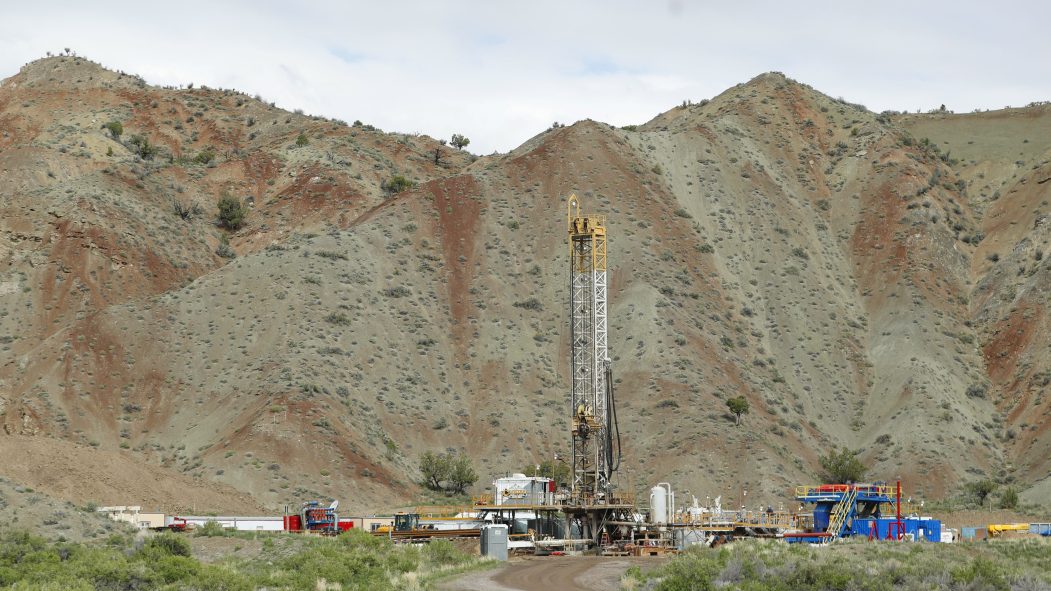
(917,528)
(840,509)
(320,519)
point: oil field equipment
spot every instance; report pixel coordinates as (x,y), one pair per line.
(844,510)
(315,518)
(596,437)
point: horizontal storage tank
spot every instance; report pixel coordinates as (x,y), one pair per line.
(247,523)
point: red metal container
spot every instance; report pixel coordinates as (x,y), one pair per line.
(345,524)
(293,523)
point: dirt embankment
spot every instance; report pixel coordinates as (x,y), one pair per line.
(78,474)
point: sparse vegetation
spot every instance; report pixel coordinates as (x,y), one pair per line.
(186,212)
(302,139)
(398,291)
(352,560)
(775,566)
(338,318)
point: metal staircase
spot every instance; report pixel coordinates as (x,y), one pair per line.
(840,513)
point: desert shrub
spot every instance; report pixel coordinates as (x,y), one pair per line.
(398,291)
(140,144)
(170,544)
(979,490)
(115,128)
(1009,498)
(204,157)
(977,390)
(396,184)
(444,553)
(232,212)
(737,406)
(302,140)
(775,566)
(185,212)
(530,304)
(353,560)
(338,318)
(459,141)
(329,254)
(224,249)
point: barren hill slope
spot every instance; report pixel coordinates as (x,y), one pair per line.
(772,243)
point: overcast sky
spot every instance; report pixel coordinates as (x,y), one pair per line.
(501,72)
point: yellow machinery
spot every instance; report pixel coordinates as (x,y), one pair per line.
(998,529)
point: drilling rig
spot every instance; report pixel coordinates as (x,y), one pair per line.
(596,436)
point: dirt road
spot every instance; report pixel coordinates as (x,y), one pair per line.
(551,573)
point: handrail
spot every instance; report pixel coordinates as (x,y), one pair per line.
(840,513)
(831,489)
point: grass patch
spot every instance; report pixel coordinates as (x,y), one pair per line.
(354,560)
(860,565)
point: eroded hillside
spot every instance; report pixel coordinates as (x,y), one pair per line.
(773,242)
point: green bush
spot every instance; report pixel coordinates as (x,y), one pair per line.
(232,212)
(115,128)
(459,141)
(978,491)
(211,529)
(224,249)
(302,140)
(354,560)
(738,406)
(204,157)
(842,467)
(396,184)
(141,146)
(776,566)
(1009,498)
(170,544)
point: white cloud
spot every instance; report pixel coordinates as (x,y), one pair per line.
(500,72)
